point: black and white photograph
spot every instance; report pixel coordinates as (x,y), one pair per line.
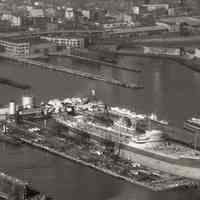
(99,99)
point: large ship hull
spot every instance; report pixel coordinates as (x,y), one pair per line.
(182,166)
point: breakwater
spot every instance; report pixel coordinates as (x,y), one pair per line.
(15,84)
(108,64)
(71,71)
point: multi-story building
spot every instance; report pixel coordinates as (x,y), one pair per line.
(16,48)
(69,13)
(14,20)
(72,42)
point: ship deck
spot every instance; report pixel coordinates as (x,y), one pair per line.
(164,147)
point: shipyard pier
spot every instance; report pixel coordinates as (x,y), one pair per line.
(109,139)
(156,100)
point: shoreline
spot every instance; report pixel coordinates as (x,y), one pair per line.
(190,64)
(91,60)
(64,69)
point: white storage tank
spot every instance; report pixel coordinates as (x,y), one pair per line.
(27,102)
(12,108)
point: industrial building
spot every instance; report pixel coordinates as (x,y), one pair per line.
(16,48)
(72,42)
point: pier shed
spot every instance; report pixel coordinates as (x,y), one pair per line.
(16,47)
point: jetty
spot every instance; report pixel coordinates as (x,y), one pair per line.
(64,69)
(107,64)
(140,175)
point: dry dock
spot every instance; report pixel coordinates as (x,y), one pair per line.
(71,71)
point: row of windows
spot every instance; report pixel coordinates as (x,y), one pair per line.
(68,42)
(4,43)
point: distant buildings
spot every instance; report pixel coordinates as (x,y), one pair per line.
(16,47)
(13,19)
(34,12)
(69,13)
(71,42)
(177,24)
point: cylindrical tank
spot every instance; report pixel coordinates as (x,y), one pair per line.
(27,102)
(12,108)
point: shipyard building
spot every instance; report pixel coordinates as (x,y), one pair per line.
(26,48)
(16,47)
(72,42)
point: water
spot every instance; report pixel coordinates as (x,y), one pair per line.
(171,90)
(63,179)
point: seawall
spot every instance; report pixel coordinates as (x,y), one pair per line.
(64,69)
(191,64)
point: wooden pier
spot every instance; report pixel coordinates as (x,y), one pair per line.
(64,69)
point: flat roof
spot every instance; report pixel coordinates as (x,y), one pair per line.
(23,40)
(15,40)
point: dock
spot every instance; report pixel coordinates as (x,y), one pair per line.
(64,69)
(107,64)
(80,155)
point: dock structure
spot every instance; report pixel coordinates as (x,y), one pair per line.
(64,69)
(111,65)
(164,181)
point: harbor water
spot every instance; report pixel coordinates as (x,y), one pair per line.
(170,90)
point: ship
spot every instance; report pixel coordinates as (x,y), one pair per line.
(150,147)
